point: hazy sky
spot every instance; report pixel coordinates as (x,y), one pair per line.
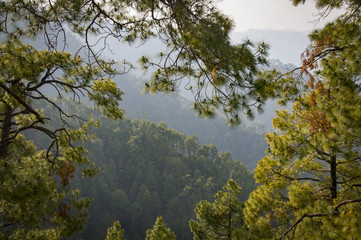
(271,14)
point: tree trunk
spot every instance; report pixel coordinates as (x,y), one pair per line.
(333,177)
(5,130)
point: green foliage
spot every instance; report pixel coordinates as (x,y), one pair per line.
(115,232)
(222,219)
(310,177)
(160,231)
(27,191)
(24,71)
(149,170)
(33,204)
(195,34)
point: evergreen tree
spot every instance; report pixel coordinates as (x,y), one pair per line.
(310,177)
(26,71)
(115,232)
(222,219)
(160,231)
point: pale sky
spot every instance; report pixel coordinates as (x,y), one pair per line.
(271,14)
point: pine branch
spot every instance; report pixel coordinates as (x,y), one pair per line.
(334,212)
(21,101)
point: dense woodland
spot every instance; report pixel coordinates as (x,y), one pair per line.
(71,172)
(145,171)
(148,170)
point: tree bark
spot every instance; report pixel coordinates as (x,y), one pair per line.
(333,169)
(5,130)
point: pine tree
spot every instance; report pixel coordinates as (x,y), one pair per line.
(310,177)
(160,231)
(222,219)
(115,232)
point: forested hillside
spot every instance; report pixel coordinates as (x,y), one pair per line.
(148,170)
(244,143)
